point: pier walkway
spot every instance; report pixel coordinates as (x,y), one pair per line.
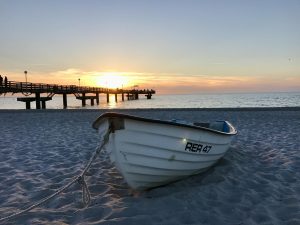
(82,93)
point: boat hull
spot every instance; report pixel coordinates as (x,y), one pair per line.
(150,154)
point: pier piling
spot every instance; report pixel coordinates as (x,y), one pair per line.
(107,97)
(65,102)
(43,104)
(97,98)
(38,100)
(83,100)
(27,104)
(148,95)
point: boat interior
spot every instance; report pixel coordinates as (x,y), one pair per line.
(217,125)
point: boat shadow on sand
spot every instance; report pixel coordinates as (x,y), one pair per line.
(213,176)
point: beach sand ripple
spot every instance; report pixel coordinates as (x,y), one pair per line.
(257,182)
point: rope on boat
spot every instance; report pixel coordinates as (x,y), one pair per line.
(86,197)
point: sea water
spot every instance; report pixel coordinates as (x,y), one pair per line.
(228,100)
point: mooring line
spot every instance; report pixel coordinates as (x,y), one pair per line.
(86,197)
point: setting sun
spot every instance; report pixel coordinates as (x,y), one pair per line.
(112,80)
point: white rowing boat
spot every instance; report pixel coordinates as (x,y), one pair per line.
(150,153)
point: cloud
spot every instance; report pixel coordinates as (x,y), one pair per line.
(167,82)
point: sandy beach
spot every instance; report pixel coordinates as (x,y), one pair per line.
(257,182)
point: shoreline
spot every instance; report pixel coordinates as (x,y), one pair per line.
(294,108)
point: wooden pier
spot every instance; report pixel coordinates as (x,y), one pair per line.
(82,93)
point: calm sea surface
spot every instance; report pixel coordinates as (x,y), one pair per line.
(171,101)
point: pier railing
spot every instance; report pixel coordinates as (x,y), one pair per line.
(27,87)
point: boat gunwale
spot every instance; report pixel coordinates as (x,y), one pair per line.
(107,115)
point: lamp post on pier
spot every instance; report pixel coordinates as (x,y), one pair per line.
(26,85)
(78,84)
(25,72)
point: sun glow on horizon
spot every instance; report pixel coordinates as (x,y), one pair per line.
(113,80)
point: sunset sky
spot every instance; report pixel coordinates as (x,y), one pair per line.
(186,46)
